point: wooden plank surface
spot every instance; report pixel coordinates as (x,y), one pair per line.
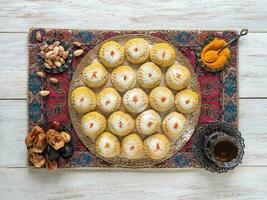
(137,14)
(252,65)
(242,183)
(246,182)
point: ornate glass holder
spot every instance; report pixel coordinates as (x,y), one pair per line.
(201,151)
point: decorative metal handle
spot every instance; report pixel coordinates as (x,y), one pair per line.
(242,33)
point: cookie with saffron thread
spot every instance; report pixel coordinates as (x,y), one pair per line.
(83,99)
(93,124)
(123,78)
(111,54)
(161,99)
(137,50)
(157,146)
(120,123)
(135,100)
(186,101)
(149,75)
(132,147)
(108,145)
(162,54)
(174,125)
(108,100)
(95,75)
(148,122)
(177,77)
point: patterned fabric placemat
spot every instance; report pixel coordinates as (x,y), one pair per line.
(219,90)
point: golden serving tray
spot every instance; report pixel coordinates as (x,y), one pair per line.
(192,119)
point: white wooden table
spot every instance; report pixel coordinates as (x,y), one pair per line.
(249,181)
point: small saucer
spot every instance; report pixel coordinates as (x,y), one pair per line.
(199,140)
(64,67)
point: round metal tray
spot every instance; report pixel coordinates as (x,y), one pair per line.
(192,119)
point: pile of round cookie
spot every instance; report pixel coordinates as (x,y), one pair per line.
(136,101)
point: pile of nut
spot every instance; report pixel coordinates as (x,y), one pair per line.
(54,55)
(45,148)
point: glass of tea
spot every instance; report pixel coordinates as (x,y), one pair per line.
(225,150)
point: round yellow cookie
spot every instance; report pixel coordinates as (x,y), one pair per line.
(161,99)
(174,125)
(135,100)
(149,75)
(157,146)
(137,50)
(111,54)
(186,101)
(83,99)
(177,77)
(148,122)
(132,147)
(108,100)
(120,123)
(95,75)
(108,145)
(93,124)
(162,54)
(123,78)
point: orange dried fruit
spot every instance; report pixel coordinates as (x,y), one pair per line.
(30,140)
(55,139)
(51,164)
(38,160)
(40,143)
